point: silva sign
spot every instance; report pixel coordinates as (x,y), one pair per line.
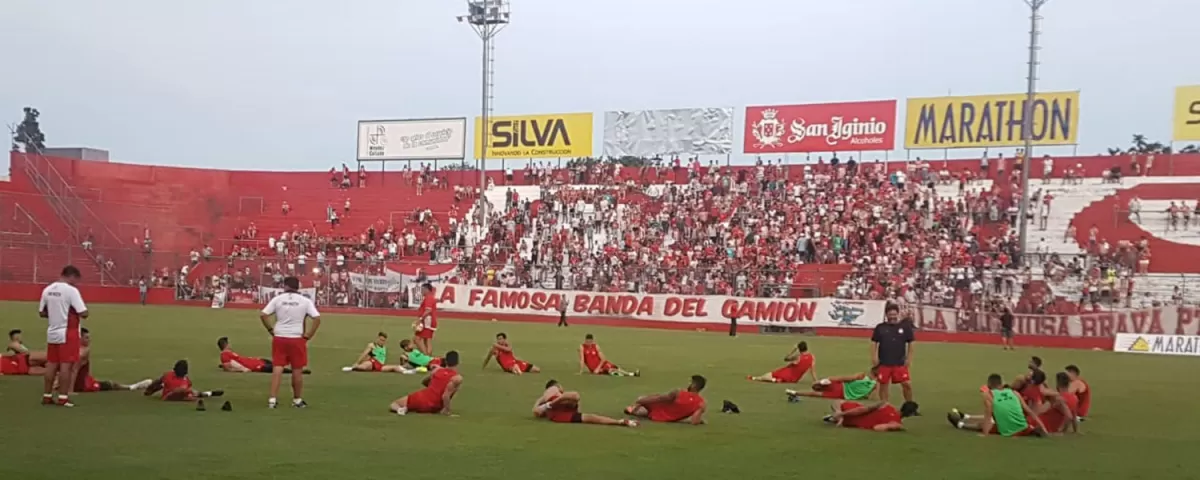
(536,136)
(827,127)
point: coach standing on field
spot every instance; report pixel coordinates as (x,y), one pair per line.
(289,337)
(891,350)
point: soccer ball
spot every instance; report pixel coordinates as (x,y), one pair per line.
(422,369)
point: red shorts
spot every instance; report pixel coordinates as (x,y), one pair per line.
(664,413)
(289,352)
(564,416)
(14,364)
(376,366)
(833,390)
(786,375)
(437,362)
(426,333)
(605,368)
(424,401)
(62,352)
(87,385)
(1029,431)
(521,365)
(892,374)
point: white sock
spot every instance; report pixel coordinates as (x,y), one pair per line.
(347,369)
(271,401)
(296,401)
(961,424)
(205,394)
(408,371)
(965,416)
(401,410)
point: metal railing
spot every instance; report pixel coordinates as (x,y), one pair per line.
(39,262)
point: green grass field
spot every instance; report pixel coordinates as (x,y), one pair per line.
(1143,424)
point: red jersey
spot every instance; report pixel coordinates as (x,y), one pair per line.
(84,378)
(506,359)
(1085,399)
(252,363)
(1054,419)
(591,356)
(794,371)
(562,413)
(1032,394)
(429,306)
(880,416)
(439,380)
(172,383)
(685,404)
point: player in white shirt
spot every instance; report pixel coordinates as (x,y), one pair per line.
(289,342)
(62,306)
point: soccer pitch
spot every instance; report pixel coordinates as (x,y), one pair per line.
(1143,425)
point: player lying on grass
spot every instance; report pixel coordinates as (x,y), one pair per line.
(877,416)
(177,387)
(799,361)
(560,406)
(853,387)
(84,382)
(673,406)
(440,388)
(592,360)
(234,363)
(35,358)
(503,352)
(1005,413)
(417,361)
(374,358)
(1082,390)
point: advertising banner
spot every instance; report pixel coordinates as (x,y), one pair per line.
(417,139)
(990,121)
(1187,114)
(822,312)
(1168,321)
(825,127)
(390,282)
(265,294)
(1179,345)
(680,131)
(536,136)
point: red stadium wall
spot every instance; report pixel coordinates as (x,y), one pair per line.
(165,296)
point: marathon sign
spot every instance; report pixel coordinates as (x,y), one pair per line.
(825,127)
(700,309)
(1172,321)
(1176,345)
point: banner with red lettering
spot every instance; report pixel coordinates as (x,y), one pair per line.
(1157,321)
(825,127)
(784,312)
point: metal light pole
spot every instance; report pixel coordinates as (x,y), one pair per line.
(1035,18)
(487,18)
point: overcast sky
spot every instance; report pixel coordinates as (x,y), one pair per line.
(275,84)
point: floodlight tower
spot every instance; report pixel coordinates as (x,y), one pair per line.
(1035,18)
(487,18)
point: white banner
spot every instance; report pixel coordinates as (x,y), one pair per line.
(218,300)
(681,131)
(265,294)
(821,312)
(1154,321)
(391,282)
(428,139)
(1182,345)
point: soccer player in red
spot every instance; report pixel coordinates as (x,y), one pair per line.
(1005,413)
(560,406)
(84,383)
(63,308)
(426,325)
(232,362)
(1082,390)
(879,416)
(799,361)
(673,406)
(591,360)
(1060,411)
(177,387)
(289,337)
(18,365)
(505,358)
(15,346)
(440,388)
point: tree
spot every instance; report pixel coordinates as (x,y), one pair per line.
(1142,146)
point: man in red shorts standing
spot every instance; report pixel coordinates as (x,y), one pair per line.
(673,406)
(879,417)
(426,325)
(439,391)
(560,406)
(63,308)
(503,352)
(591,360)
(177,387)
(892,349)
(289,337)
(799,361)
(84,383)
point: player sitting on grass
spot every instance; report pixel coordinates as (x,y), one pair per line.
(440,388)
(84,383)
(591,360)
(673,406)
(18,364)
(232,362)
(1031,387)
(503,352)
(177,387)
(1005,412)
(561,406)
(854,387)
(1082,390)
(878,416)
(1059,411)
(418,361)
(374,358)
(799,362)
(35,358)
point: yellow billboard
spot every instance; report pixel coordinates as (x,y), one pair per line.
(1187,114)
(536,136)
(990,121)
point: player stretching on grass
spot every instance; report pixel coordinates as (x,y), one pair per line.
(374,358)
(234,363)
(560,406)
(878,416)
(440,388)
(177,387)
(503,352)
(799,362)
(853,387)
(1082,390)
(1060,411)
(591,360)
(62,306)
(673,406)
(1004,412)
(426,325)
(84,382)
(289,337)
(35,358)
(417,360)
